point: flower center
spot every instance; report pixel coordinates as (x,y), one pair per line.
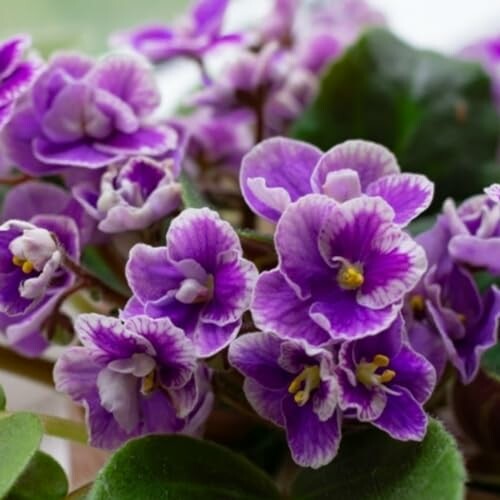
(417,304)
(366,372)
(26,265)
(149,383)
(350,276)
(304,384)
(192,291)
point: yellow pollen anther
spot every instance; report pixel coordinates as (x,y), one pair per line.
(366,372)
(417,304)
(27,267)
(350,277)
(462,318)
(387,376)
(17,261)
(304,384)
(149,383)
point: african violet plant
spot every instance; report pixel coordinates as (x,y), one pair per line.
(255,270)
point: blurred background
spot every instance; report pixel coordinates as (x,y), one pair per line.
(86,24)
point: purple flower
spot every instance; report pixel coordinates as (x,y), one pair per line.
(82,113)
(294,386)
(447,317)
(32,280)
(493,192)
(192,37)
(16,75)
(383,381)
(32,198)
(343,271)
(279,171)
(269,82)
(200,280)
(135,377)
(131,197)
(487,52)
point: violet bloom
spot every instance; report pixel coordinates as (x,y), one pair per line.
(135,377)
(279,171)
(131,197)
(32,279)
(268,82)
(193,36)
(294,386)
(343,271)
(447,317)
(487,52)
(32,198)
(199,280)
(383,381)
(16,75)
(82,113)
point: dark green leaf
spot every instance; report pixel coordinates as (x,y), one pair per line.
(373,466)
(3,399)
(93,260)
(191,195)
(421,224)
(254,236)
(179,468)
(491,362)
(43,479)
(20,436)
(435,113)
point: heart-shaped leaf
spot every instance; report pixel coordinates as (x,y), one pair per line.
(20,436)
(43,479)
(180,468)
(434,112)
(373,466)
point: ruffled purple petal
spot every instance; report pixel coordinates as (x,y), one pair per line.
(266,402)
(275,173)
(408,194)
(476,252)
(403,418)
(313,443)
(256,355)
(371,161)
(276,308)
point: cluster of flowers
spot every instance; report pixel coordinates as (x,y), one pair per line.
(355,323)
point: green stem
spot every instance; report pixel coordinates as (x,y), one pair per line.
(59,427)
(37,370)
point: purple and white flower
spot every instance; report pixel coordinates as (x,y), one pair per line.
(131,197)
(199,280)
(294,386)
(384,382)
(16,74)
(343,271)
(193,36)
(32,278)
(82,113)
(135,377)
(279,171)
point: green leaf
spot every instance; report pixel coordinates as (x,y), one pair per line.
(3,399)
(254,236)
(435,113)
(191,195)
(490,362)
(20,436)
(43,479)
(373,466)
(180,468)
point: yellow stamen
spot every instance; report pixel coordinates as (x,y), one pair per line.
(17,261)
(149,383)
(462,318)
(27,267)
(417,304)
(304,384)
(350,277)
(366,372)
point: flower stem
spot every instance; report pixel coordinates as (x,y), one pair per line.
(59,427)
(15,180)
(37,370)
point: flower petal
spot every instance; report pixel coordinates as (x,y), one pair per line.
(275,173)
(408,194)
